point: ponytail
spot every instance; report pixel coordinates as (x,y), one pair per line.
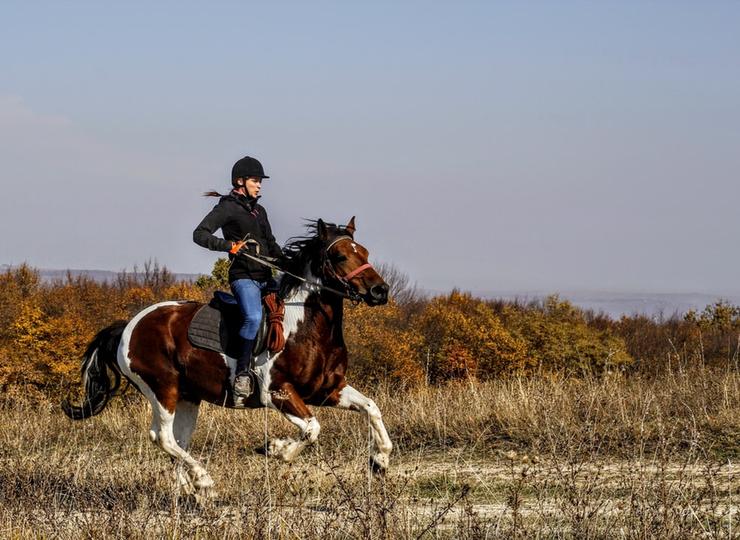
(212,194)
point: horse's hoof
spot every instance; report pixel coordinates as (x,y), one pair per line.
(284,449)
(379,465)
(188,501)
(203,482)
(205,495)
(273,448)
(183,480)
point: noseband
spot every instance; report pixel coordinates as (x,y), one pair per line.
(344,280)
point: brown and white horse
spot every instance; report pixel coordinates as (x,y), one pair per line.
(152,351)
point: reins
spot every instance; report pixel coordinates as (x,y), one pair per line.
(344,280)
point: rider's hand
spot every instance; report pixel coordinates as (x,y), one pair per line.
(236,247)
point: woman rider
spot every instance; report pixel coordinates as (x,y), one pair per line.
(245,226)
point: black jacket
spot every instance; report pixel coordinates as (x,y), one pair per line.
(237,216)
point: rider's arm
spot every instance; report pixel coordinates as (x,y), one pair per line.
(203,233)
(272,245)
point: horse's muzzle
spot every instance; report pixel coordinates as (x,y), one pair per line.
(378,295)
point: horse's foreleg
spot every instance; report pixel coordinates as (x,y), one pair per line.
(288,402)
(350,398)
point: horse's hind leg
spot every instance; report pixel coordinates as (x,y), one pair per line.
(288,402)
(352,399)
(166,439)
(186,415)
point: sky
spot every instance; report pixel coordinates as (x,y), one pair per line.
(488,146)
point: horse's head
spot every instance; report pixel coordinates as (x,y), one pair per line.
(345,262)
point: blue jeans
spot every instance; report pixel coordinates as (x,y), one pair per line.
(248,293)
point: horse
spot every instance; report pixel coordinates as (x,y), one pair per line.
(153,352)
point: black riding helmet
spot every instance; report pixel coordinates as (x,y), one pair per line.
(247,167)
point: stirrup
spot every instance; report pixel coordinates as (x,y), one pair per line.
(243,385)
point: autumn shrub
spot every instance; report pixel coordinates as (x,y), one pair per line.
(183,290)
(44,328)
(46,346)
(462,337)
(558,337)
(16,285)
(381,348)
(218,278)
(717,331)
(707,337)
(151,276)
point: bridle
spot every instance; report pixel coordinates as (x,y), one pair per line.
(331,271)
(348,292)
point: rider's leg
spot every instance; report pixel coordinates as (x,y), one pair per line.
(249,297)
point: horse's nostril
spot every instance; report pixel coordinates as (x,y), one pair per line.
(379,291)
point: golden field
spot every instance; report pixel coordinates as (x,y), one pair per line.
(509,421)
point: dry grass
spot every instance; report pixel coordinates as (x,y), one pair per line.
(551,457)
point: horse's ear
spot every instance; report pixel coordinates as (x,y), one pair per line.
(351,226)
(321,229)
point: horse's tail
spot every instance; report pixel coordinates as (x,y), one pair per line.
(99,358)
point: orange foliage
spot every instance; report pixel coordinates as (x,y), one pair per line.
(559,338)
(463,337)
(54,342)
(44,329)
(15,285)
(379,347)
(29,331)
(183,290)
(458,362)
(135,299)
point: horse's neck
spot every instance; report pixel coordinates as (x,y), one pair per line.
(324,309)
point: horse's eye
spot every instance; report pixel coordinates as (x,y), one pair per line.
(339,258)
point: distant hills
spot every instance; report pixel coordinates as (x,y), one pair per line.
(614,304)
(49,275)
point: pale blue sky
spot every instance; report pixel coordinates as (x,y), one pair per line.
(488,146)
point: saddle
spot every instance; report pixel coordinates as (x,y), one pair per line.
(216,326)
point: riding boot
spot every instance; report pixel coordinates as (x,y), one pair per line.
(243,376)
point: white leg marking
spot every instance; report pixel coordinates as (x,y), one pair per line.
(351,398)
(186,415)
(166,439)
(288,449)
(154,429)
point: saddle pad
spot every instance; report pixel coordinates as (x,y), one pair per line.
(205,330)
(217,330)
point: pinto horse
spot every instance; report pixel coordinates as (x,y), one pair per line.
(153,352)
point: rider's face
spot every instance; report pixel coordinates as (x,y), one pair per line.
(253,186)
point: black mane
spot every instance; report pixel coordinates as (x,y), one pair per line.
(302,251)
